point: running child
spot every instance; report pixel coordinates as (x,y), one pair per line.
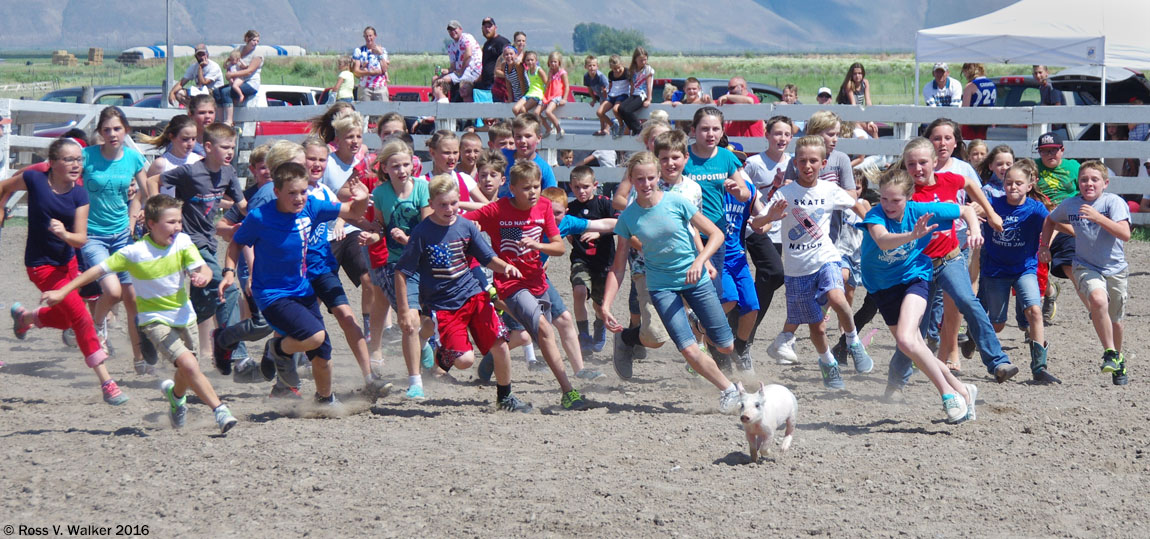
(527,130)
(178,140)
(767,171)
(470,147)
(1010,262)
(591,255)
(279,232)
(438,250)
(57,227)
(520,222)
(676,273)
(444,149)
(1101,224)
(500,137)
(812,264)
(898,273)
(163,264)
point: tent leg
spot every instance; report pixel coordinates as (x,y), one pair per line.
(915,90)
(1102,127)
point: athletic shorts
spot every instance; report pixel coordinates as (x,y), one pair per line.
(889,300)
(527,308)
(329,290)
(478,316)
(349,254)
(171,342)
(806,295)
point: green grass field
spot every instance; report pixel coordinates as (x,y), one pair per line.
(891,76)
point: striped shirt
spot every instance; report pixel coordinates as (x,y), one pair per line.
(159,277)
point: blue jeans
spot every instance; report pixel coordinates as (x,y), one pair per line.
(99,248)
(953,277)
(705,303)
(994,293)
(224,95)
(206,301)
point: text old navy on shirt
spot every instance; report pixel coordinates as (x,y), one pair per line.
(529,222)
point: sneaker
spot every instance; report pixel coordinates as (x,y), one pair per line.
(966,345)
(585,344)
(1111,361)
(415,393)
(224,419)
(1049,305)
(572,400)
(143,368)
(511,403)
(443,360)
(1005,372)
(377,388)
(329,400)
(1120,378)
(623,358)
(19,328)
(280,391)
(839,350)
(112,393)
(600,338)
(971,390)
(68,336)
(377,368)
(222,355)
(862,361)
(589,374)
(783,350)
(744,362)
(955,408)
(486,368)
(832,378)
(427,357)
(729,401)
(537,366)
(247,371)
(177,408)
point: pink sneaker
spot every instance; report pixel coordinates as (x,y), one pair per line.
(112,393)
(19,328)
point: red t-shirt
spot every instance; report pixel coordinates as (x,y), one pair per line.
(946,187)
(376,252)
(507,225)
(745,128)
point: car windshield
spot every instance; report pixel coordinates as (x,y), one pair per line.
(62,96)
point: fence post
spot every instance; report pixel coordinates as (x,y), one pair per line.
(5,141)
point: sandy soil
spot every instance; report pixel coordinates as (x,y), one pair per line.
(651,458)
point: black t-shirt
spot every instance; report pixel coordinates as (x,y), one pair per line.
(598,254)
(492,49)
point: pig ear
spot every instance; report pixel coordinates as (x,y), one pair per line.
(762,388)
(739,386)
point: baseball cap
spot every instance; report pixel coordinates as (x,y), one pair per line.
(1050,140)
(201,48)
(453,25)
(942,66)
(488,21)
(825,90)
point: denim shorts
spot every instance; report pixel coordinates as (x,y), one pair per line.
(854,278)
(99,248)
(703,300)
(994,292)
(386,281)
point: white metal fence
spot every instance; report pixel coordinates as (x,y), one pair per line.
(904,119)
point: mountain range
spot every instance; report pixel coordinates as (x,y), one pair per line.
(688,26)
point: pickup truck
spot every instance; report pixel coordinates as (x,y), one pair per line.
(121,96)
(271,95)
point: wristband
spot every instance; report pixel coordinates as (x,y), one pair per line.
(226,270)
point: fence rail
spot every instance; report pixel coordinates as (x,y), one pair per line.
(904,119)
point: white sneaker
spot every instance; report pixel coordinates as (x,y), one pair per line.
(972,390)
(955,407)
(783,349)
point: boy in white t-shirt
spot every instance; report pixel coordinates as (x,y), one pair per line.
(811,262)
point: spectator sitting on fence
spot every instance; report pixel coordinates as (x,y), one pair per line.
(235,63)
(369,63)
(943,90)
(855,89)
(466,60)
(205,73)
(737,94)
(692,94)
(253,62)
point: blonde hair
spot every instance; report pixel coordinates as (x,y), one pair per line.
(442,184)
(1096,165)
(973,71)
(439,138)
(649,127)
(282,151)
(821,121)
(639,159)
(313,141)
(555,55)
(345,121)
(389,150)
(899,179)
(524,170)
(343,62)
(916,144)
(811,141)
(259,154)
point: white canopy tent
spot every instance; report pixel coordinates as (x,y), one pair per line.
(1106,33)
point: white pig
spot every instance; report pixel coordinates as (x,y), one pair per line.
(765,411)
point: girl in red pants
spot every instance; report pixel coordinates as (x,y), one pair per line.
(57,225)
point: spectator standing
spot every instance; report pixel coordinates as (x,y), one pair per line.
(369,63)
(466,60)
(485,88)
(737,94)
(943,90)
(205,73)
(253,62)
(980,91)
(1047,94)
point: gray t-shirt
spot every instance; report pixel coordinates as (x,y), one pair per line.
(201,190)
(1093,247)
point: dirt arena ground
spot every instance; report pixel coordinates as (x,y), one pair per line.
(652,457)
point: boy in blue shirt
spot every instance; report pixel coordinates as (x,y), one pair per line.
(527,130)
(738,284)
(278,231)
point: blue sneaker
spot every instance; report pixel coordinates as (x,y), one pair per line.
(486,368)
(600,336)
(177,408)
(427,357)
(863,362)
(415,393)
(832,378)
